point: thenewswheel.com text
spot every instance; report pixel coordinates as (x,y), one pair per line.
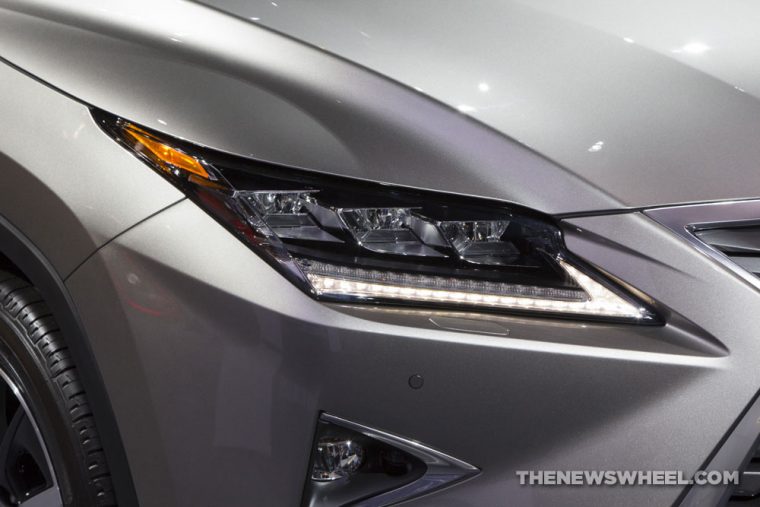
(625,477)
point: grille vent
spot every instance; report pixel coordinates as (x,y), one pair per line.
(740,244)
(747,492)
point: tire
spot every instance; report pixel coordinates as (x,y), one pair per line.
(34,357)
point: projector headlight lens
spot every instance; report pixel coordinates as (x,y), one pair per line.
(347,240)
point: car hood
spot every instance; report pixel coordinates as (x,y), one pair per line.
(652,102)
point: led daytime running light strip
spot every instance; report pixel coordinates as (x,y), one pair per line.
(601,301)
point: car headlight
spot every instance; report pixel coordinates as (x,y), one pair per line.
(347,240)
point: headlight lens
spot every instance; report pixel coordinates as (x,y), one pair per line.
(348,240)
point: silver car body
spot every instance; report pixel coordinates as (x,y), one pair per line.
(214,367)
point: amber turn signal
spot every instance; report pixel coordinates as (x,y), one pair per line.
(165,153)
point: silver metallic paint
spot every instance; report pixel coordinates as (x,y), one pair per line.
(732,455)
(684,220)
(201,342)
(653,102)
(202,75)
(69,188)
(250,360)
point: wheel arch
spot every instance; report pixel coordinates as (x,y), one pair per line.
(19,253)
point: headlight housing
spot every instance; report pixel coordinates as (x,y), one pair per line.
(347,240)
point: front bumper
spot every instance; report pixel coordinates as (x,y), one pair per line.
(217,369)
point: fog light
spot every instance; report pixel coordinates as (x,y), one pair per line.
(336,458)
(354,465)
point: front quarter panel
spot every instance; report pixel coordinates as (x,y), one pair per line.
(65,184)
(218,368)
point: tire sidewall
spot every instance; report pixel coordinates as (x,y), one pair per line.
(24,366)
